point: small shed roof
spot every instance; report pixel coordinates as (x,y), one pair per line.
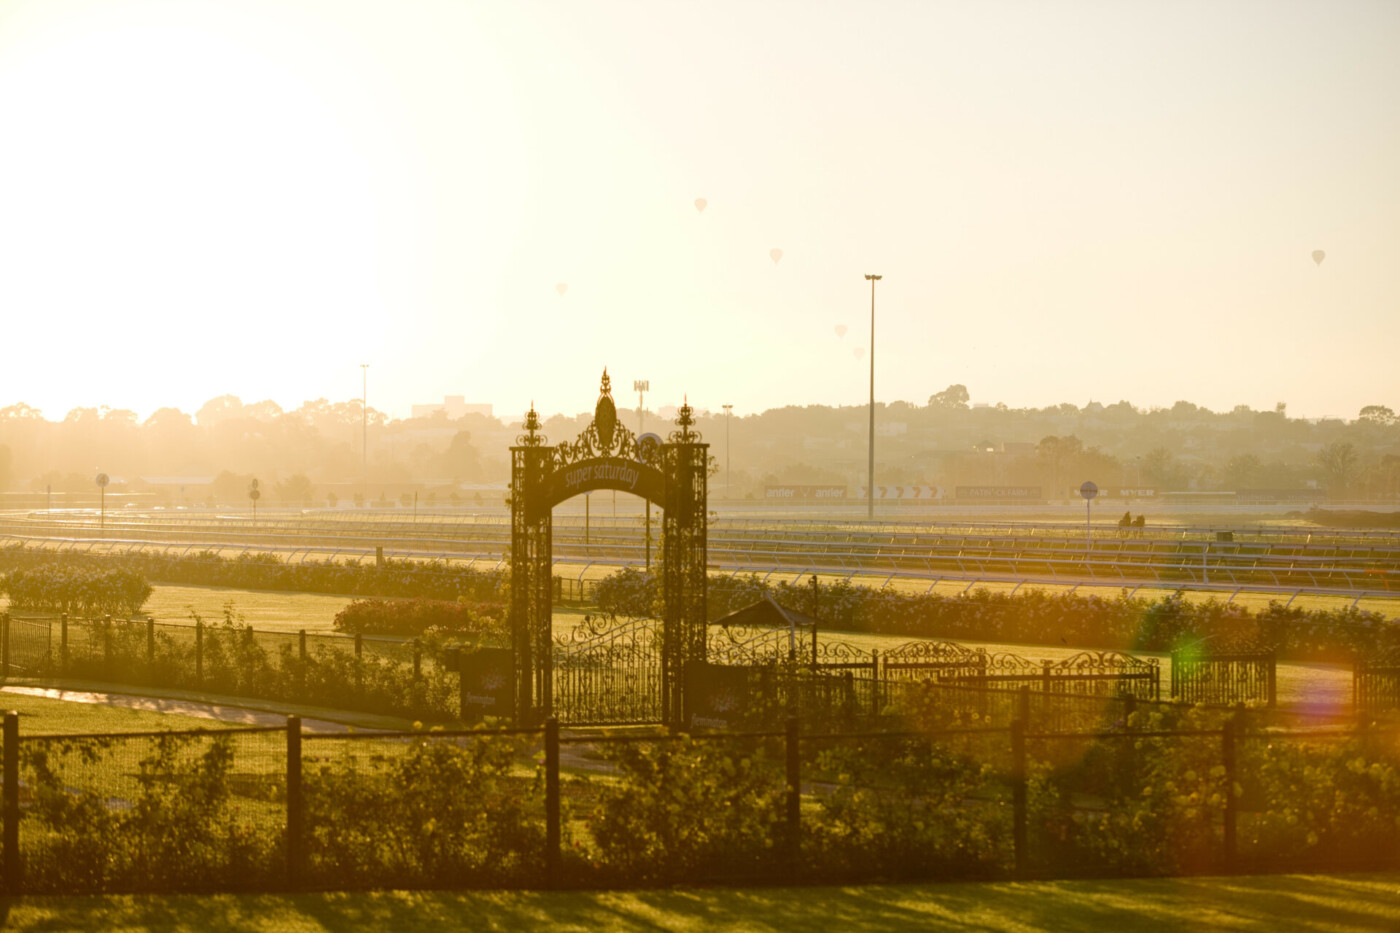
(767,613)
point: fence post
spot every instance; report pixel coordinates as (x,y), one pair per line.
(359,664)
(150,640)
(107,646)
(5,644)
(1023,705)
(875,681)
(295,804)
(199,653)
(1018,793)
(11,804)
(794,797)
(1227,754)
(551,801)
(63,643)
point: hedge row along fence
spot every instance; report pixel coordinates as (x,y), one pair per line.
(1034,616)
(395,578)
(79,590)
(1031,617)
(934,797)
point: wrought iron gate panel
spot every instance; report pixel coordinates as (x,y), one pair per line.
(608,674)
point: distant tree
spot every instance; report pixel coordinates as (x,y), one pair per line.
(461,460)
(295,490)
(1242,472)
(1338,462)
(955,396)
(1377,415)
(218,409)
(1161,469)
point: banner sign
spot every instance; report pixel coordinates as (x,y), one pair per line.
(488,683)
(1119,492)
(604,473)
(804,492)
(1024,493)
(904,492)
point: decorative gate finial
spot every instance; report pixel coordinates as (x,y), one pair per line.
(605,414)
(532,436)
(685,420)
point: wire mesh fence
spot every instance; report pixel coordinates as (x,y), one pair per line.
(940,796)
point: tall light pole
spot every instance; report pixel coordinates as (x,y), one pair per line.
(364,427)
(870,472)
(641,386)
(728,476)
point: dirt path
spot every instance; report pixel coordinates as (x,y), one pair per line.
(230,714)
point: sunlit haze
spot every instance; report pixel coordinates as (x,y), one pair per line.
(1067,201)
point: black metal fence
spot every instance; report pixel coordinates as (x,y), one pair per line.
(262,809)
(1376,684)
(1225,678)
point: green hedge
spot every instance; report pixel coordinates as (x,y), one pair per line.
(1033,616)
(76,589)
(414,617)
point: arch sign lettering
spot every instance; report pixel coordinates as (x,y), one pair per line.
(672,475)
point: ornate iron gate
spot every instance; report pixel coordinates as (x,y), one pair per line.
(674,475)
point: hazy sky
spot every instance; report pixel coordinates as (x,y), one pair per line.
(1068,201)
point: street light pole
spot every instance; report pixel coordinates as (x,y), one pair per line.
(870,471)
(364,427)
(642,386)
(728,476)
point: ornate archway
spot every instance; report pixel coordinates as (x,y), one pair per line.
(671,474)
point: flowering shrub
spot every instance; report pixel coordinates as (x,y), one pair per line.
(689,809)
(413,617)
(77,590)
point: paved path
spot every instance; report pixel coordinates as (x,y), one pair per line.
(231,714)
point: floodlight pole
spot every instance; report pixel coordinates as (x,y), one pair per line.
(870,471)
(364,427)
(728,476)
(642,386)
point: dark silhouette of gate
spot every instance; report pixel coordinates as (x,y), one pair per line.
(671,474)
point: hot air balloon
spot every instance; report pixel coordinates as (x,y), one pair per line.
(561,288)
(859,352)
(700,205)
(1318,256)
(775,255)
(840,330)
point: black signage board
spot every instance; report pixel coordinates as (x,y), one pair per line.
(716,694)
(488,683)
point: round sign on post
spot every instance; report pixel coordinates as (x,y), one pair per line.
(1089,490)
(103,479)
(254,494)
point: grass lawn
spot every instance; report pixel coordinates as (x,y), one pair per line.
(1263,903)
(45,716)
(265,610)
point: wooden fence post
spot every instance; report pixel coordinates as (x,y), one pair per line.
(150,641)
(11,804)
(199,653)
(794,797)
(107,646)
(63,643)
(359,664)
(1018,788)
(295,805)
(4,644)
(1227,754)
(551,801)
